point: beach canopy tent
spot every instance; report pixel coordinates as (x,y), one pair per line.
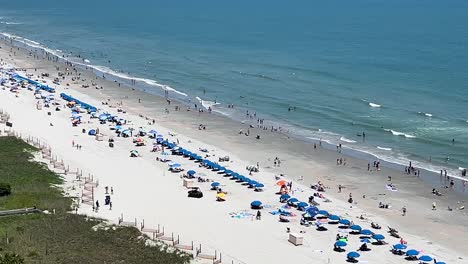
(191,172)
(399,246)
(412,253)
(345,222)
(353,255)
(378,237)
(425,258)
(215,184)
(366,232)
(334,218)
(341,244)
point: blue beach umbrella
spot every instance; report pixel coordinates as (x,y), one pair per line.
(259,185)
(191,172)
(302,204)
(285,196)
(334,218)
(345,222)
(228,172)
(412,252)
(425,258)
(365,240)
(356,228)
(293,200)
(353,255)
(256,203)
(175,165)
(152,131)
(312,210)
(399,246)
(440,262)
(378,237)
(341,244)
(367,232)
(215,184)
(322,212)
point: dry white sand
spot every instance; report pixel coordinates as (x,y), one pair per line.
(144,189)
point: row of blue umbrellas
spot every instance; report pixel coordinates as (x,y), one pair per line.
(69,98)
(38,85)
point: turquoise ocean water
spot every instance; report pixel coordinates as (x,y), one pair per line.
(395,70)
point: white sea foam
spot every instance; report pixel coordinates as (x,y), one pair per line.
(206,104)
(382,148)
(401,134)
(347,140)
(10,23)
(426,114)
(100,69)
(374,105)
(87,61)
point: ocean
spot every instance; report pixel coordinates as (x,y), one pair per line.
(394,70)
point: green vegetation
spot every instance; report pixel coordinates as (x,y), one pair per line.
(62,237)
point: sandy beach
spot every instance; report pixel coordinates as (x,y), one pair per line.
(144,189)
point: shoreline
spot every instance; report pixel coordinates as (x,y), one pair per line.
(294,155)
(147,86)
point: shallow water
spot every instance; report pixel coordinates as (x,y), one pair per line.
(395,71)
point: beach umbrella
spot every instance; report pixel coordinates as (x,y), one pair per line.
(378,237)
(365,240)
(175,165)
(259,185)
(341,244)
(334,218)
(345,222)
(440,262)
(425,258)
(118,127)
(322,212)
(165,153)
(228,172)
(412,252)
(281,182)
(302,204)
(312,210)
(399,246)
(293,200)
(103,117)
(256,203)
(191,172)
(235,175)
(285,196)
(367,232)
(215,184)
(221,195)
(356,228)
(353,255)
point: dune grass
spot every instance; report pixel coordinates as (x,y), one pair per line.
(61,237)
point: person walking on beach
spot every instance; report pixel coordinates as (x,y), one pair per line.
(434,206)
(403,211)
(259,215)
(339,188)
